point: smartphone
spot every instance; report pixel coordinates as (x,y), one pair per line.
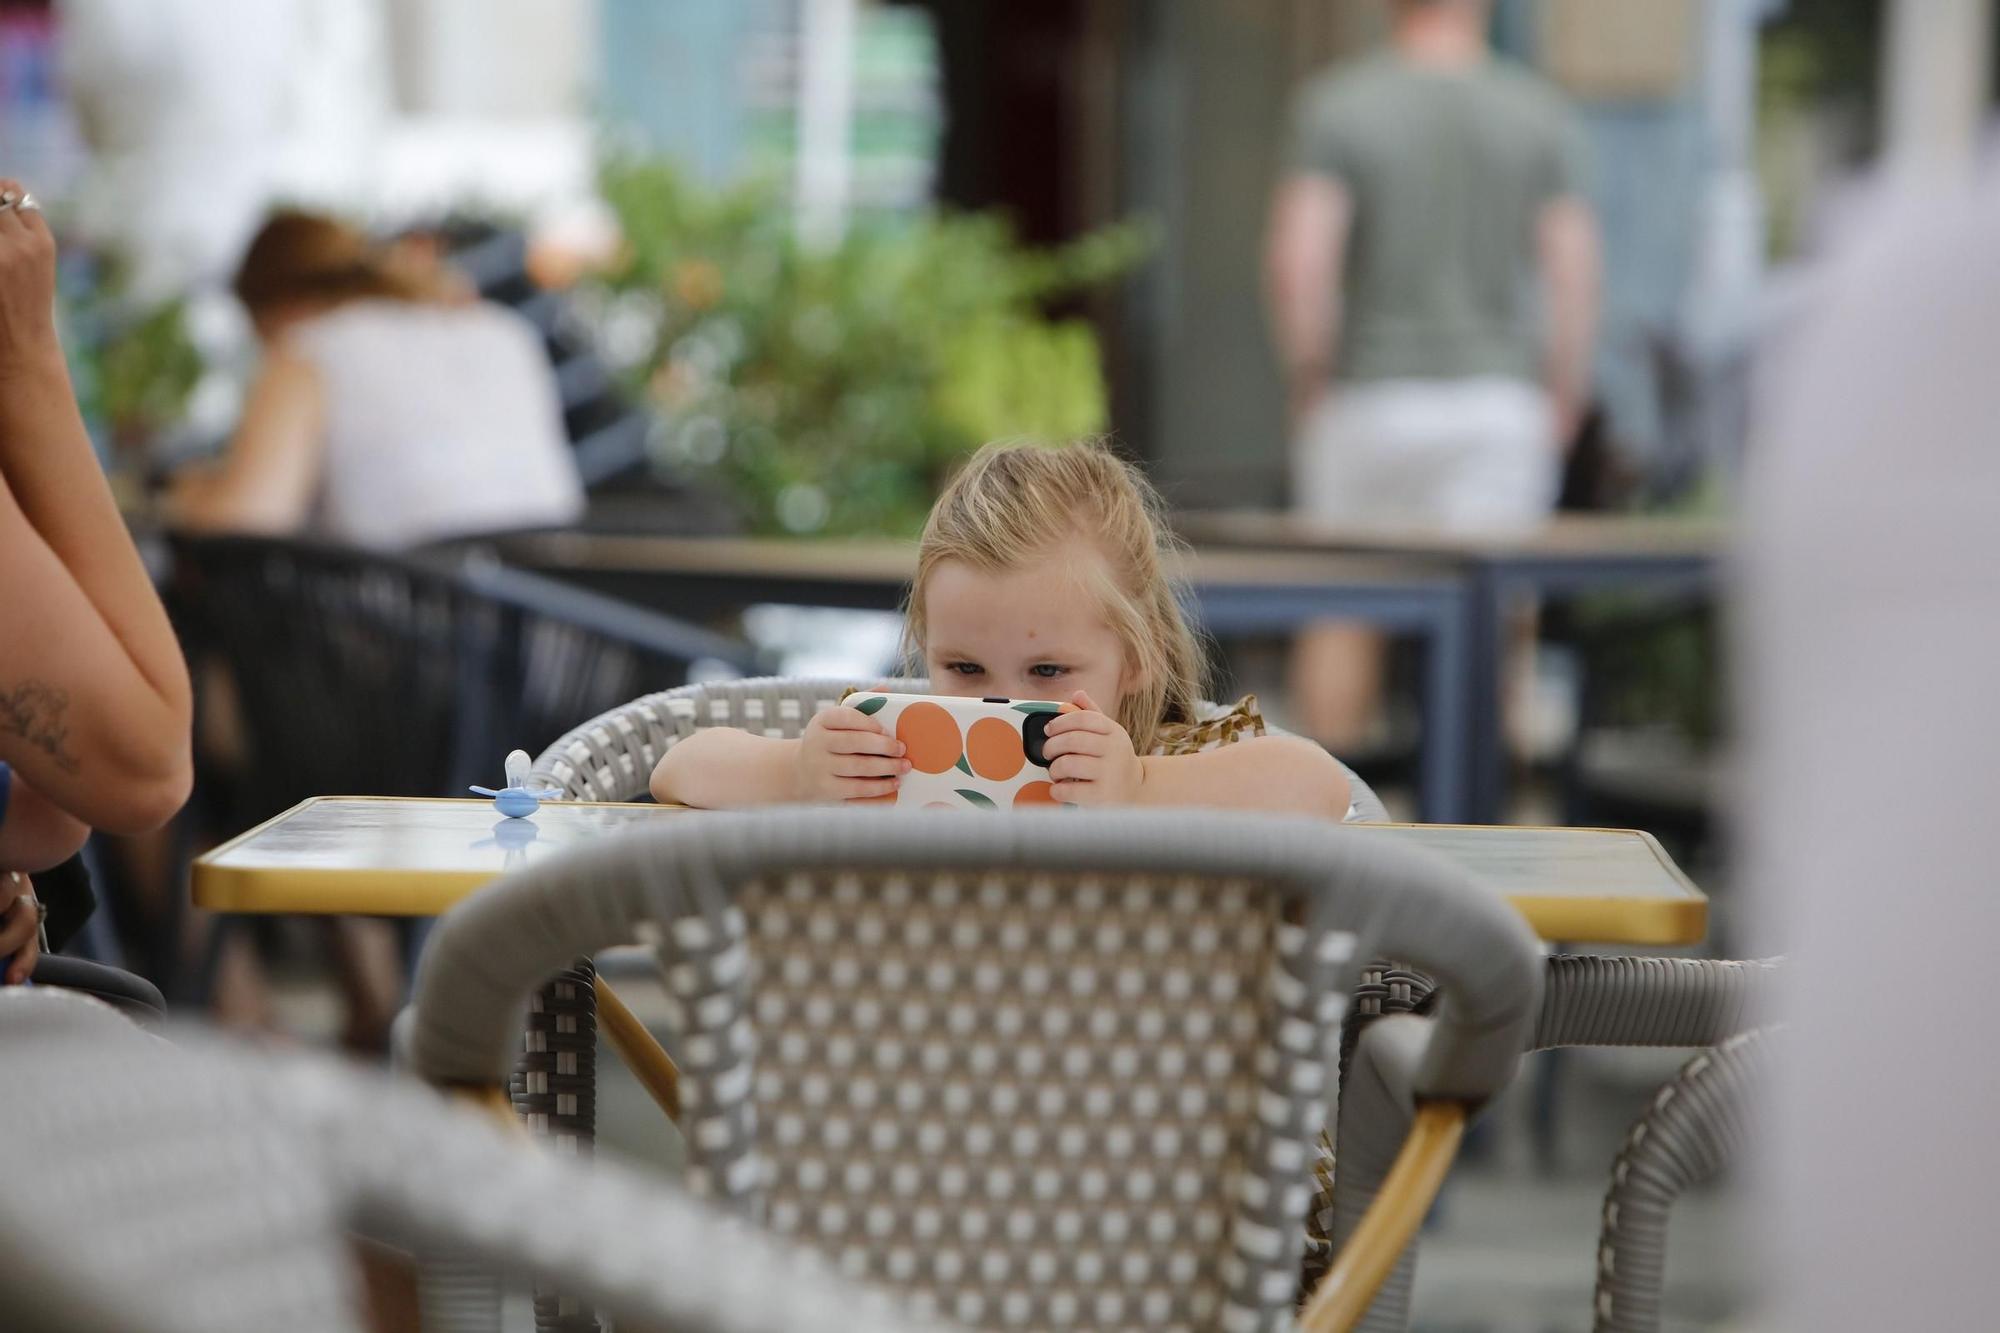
(967,754)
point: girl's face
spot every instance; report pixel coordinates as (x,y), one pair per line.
(1032,632)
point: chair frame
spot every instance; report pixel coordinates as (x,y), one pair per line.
(493,949)
(1697,1124)
(1587,1001)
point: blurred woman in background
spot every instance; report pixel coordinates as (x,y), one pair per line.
(393,407)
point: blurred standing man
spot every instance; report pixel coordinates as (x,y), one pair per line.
(1433,193)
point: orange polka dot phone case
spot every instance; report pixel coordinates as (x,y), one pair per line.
(966,754)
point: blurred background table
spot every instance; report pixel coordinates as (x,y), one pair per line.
(1571,554)
(408,856)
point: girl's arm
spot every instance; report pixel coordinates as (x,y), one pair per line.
(1276,774)
(1093,763)
(721,768)
(844,755)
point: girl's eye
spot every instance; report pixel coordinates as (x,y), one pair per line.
(1047,670)
(963,668)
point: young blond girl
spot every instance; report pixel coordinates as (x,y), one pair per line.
(1040,576)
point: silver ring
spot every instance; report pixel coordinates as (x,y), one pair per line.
(28,203)
(8,198)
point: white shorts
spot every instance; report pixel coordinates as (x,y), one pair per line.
(1478,454)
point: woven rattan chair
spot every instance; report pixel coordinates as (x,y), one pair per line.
(611,757)
(1046,1070)
(210,1188)
(1586,1001)
(1695,1127)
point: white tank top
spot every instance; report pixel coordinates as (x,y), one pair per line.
(441,421)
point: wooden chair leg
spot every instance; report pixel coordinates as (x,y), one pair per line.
(644,1056)
(1392,1219)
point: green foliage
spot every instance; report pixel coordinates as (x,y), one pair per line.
(1654,667)
(831,388)
(1818,77)
(133,362)
(146,368)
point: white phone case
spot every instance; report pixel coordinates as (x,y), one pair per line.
(965,754)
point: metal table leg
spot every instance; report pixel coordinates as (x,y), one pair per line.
(1485,660)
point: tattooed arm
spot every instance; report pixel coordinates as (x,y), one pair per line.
(94,699)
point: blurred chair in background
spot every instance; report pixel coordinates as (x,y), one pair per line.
(1587,1000)
(1695,1129)
(356,672)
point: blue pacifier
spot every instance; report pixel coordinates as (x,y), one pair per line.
(517,800)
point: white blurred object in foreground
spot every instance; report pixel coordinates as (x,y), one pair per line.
(1872,627)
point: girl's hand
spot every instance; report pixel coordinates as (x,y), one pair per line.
(1091,758)
(844,755)
(20,927)
(27,284)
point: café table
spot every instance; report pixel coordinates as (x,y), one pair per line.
(413,856)
(1569,555)
(1236,594)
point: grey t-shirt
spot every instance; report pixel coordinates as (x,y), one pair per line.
(1448,171)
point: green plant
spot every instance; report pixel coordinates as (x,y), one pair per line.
(832,388)
(146,368)
(1655,666)
(134,363)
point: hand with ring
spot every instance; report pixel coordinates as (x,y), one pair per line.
(20,927)
(27,280)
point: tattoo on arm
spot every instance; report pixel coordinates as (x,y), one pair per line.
(33,710)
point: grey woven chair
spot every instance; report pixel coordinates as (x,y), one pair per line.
(1586,1001)
(1047,1070)
(211,1188)
(611,757)
(1695,1127)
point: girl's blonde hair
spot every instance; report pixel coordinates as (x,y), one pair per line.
(1013,502)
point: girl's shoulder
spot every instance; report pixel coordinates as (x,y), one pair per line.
(1214,725)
